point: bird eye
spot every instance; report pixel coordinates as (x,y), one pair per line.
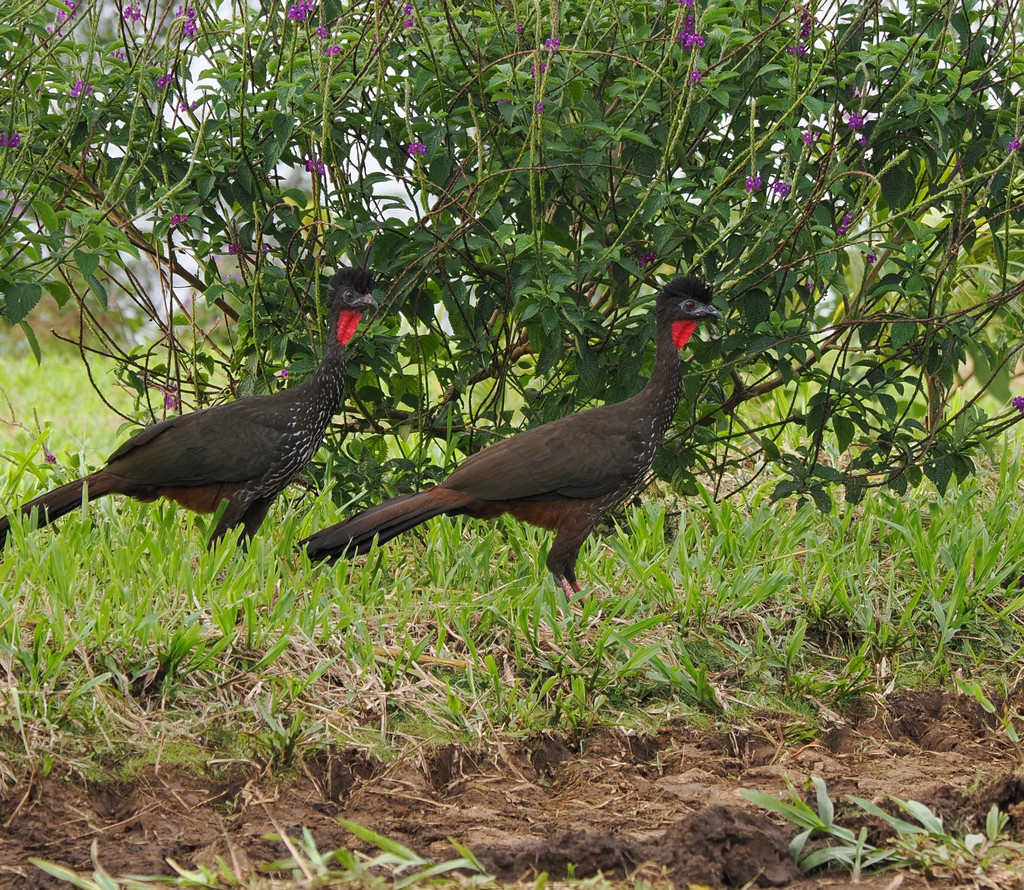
(688,304)
(349,295)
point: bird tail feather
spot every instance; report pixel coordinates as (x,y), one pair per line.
(355,536)
(54,504)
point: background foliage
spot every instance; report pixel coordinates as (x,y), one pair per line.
(849,176)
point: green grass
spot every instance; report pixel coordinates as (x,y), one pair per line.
(125,636)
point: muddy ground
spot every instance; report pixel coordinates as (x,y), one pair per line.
(665,808)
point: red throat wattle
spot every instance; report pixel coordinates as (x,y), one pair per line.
(348,321)
(682,331)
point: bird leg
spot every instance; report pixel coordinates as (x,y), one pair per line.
(570,585)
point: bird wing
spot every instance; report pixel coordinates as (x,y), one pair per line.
(226,443)
(581,456)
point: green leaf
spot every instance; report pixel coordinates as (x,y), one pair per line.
(33,343)
(771,450)
(940,472)
(855,491)
(58,290)
(845,429)
(400,852)
(204,185)
(889,405)
(283,127)
(87,262)
(98,288)
(586,367)
(931,822)
(826,810)
(634,136)
(898,188)
(822,499)
(64,874)
(699,114)
(901,333)
(20,299)
(47,216)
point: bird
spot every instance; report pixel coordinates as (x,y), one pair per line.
(562,476)
(244,452)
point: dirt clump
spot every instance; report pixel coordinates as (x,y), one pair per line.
(725,846)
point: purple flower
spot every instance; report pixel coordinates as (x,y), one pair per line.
(689,38)
(1018,403)
(283,373)
(540,108)
(754,183)
(647,258)
(533,68)
(80,89)
(3,140)
(798,50)
(862,140)
(116,54)
(808,137)
(332,50)
(870,257)
(695,77)
(519,29)
(416,148)
(1013,145)
(188,106)
(163,80)
(552,43)
(502,101)
(782,188)
(407,9)
(132,13)
(805,27)
(686,3)
(171,400)
(299,11)
(190,28)
(315,165)
(234,249)
(856,121)
(321,31)
(14,140)
(844,226)
(408,23)
(179,219)
(52,459)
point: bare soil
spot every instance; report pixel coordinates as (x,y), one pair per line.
(665,808)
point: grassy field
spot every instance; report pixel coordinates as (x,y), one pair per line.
(124,642)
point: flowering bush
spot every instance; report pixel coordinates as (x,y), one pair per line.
(849,176)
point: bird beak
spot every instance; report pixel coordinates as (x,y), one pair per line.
(365,303)
(705,310)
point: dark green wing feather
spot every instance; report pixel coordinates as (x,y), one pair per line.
(574,457)
(227,443)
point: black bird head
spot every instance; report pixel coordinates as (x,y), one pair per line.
(683,303)
(348,299)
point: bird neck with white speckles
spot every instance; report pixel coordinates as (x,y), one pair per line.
(322,392)
(660,397)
